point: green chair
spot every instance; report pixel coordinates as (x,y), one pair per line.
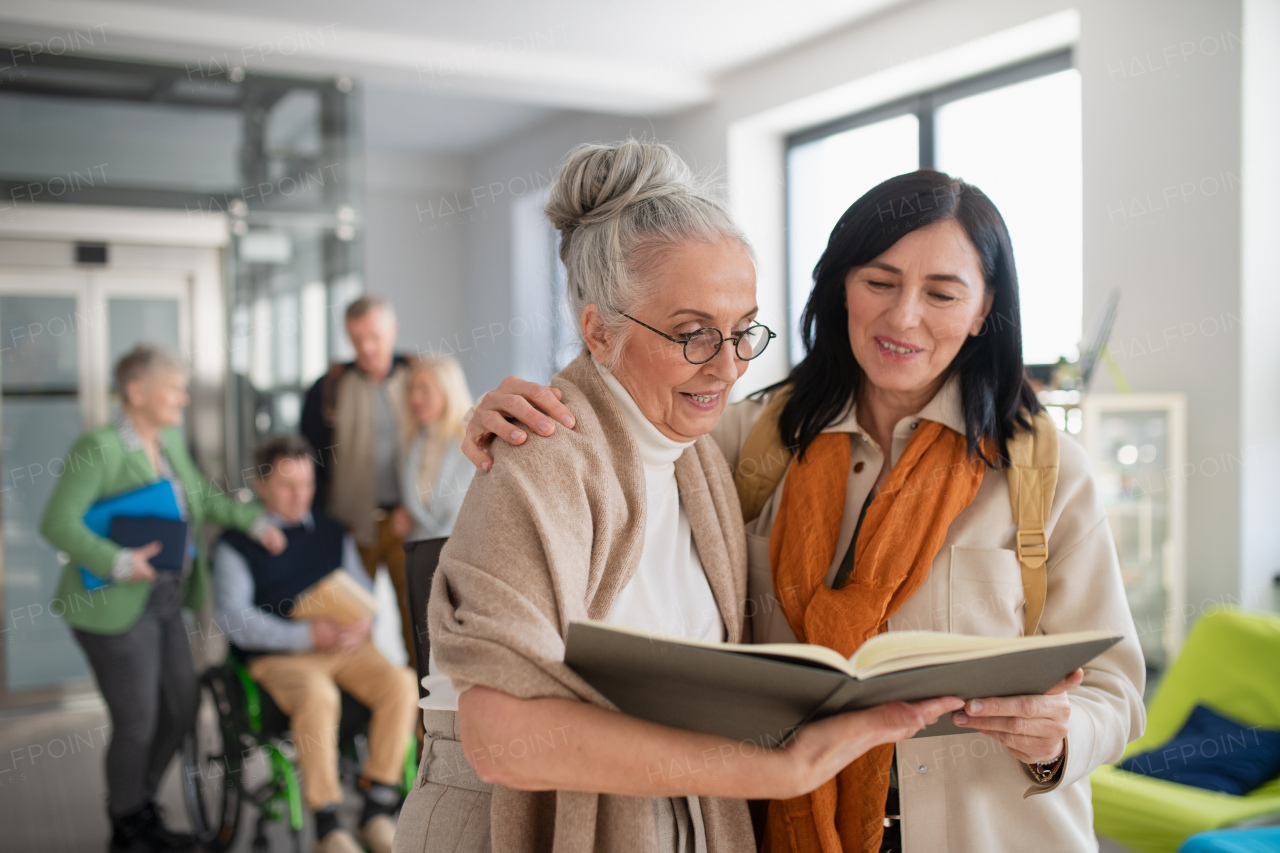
(1231,663)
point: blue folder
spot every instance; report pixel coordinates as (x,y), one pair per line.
(154,500)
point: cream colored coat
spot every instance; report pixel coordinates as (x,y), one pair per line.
(966,793)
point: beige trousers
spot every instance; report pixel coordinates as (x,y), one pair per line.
(448,808)
(307,688)
(389,551)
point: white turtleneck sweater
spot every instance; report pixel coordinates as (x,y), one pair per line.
(669,593)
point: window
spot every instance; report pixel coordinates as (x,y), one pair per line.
(544,332)
(1015,133)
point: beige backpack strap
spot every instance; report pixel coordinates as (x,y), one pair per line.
(764,459)
(1033,476)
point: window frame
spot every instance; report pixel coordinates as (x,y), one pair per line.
(924,106)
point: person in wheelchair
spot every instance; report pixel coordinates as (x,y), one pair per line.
(304,665)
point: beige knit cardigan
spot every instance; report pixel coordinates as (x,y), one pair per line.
(549,536)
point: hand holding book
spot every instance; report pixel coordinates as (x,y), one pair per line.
(830,744)
(140,558)
(328,635)
(1031,727)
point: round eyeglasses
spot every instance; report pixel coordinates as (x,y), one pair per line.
(701,345)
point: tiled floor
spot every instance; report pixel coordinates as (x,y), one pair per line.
(52,797)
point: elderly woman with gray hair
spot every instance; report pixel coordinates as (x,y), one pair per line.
(630,518)
(124,613)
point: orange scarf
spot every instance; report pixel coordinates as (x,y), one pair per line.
(933,481)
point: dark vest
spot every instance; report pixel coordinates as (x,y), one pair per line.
(278,580)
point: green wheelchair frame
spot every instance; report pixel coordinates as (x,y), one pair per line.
(213,762)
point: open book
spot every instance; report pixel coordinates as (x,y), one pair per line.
(336,596)
(764,693)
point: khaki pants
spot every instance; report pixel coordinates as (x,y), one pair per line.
(448,808)
(307,688)
(389,551)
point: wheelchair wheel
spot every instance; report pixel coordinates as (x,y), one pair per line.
(211,755)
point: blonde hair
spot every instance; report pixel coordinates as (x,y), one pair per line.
(436,437)
(617,206)
(451,381)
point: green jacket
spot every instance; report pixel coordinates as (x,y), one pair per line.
(98,466)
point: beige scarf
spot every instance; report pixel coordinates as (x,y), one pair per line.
(551,535)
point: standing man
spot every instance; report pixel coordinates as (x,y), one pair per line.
(357,418)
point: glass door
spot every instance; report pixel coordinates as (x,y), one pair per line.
(138,309)
(44,320)
(60,335)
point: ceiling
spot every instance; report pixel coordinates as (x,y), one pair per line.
(451,76)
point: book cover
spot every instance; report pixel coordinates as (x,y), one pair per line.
(136,531)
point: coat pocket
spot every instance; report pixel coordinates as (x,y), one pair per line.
(986,592)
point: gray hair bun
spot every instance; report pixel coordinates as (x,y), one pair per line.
(617,206)
(599,181)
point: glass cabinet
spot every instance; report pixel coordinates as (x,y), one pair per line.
(1137,445)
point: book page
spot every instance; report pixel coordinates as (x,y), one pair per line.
(889,652)
(797,652)
(899,650)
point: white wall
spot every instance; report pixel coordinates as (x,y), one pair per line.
(1260,355)
(412,255)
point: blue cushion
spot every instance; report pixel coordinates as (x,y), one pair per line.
(1214,753)
(1263,840)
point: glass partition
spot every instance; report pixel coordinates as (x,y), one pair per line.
(276,158)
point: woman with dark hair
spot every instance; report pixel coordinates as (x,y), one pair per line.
(870,505)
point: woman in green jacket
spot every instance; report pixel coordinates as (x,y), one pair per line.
(131,629)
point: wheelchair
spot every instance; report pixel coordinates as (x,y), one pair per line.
(236,722)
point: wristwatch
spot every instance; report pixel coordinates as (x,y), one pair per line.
(1044,771)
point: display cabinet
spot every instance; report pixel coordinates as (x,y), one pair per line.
(1137,445)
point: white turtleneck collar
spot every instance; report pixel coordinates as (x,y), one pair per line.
(655,448)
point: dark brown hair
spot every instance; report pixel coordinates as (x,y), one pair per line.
(270,452)
(994,391)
